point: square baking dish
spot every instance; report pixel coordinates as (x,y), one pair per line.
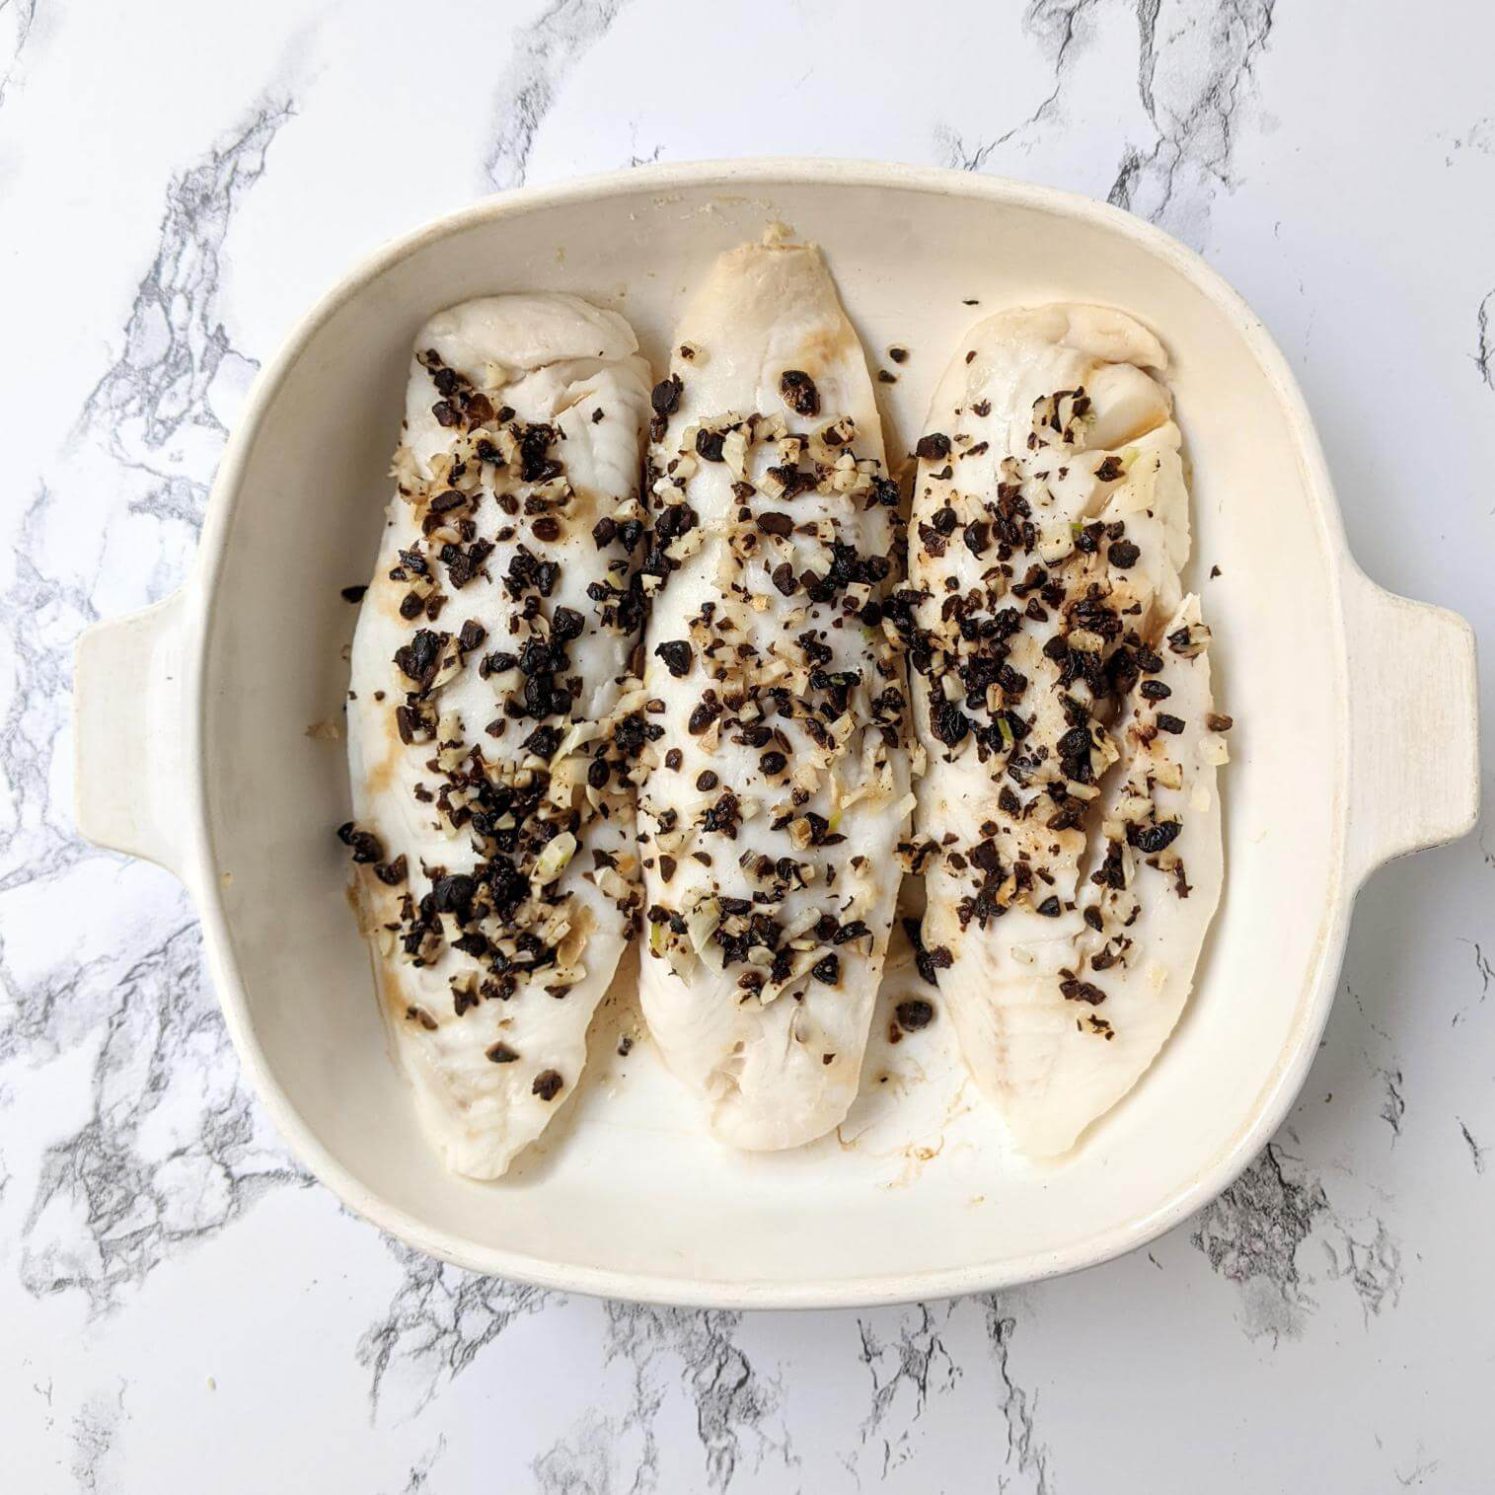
(1356,741)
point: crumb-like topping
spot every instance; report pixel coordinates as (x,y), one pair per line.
(523,786)
(1033,645)
(786,697)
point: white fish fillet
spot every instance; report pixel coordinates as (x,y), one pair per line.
(474,722)
(778,789)
(1050,522)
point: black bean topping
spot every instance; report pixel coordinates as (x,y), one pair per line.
(933,448)
(1109,470)
(1112,871)
(665,396)
(365,845)
(1075,743)
(463,565)
(950,723)
(709,445)
(1014,682)
(418,659)
(1082,991)
(542,742)
(775,522)
(913,1014)
(1155,690)
(724,816)
(706,780)
(674,758)
(677,519)
(773,763)
(799,392)
(535,464)
(547,527)
(1050,907)
(547,1085)
(472,635)
(604,532)
(677,656)
(452,893)
(794,481)
(1123,554)
(501,1053)
(929,963)
(566,624)
(1218,723)
(1151,839)
(827,969)
(1167,723)
(784,579)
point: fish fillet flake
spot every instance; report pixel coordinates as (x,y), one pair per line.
(779,787)
(1069,812)
(493,722)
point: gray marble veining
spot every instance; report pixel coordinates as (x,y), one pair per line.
(156,408)
(544,54)
(440,1319)
(19,19)
(1195,75)
(174,1148)
(1482,342)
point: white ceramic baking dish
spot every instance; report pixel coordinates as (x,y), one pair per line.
(1355,742)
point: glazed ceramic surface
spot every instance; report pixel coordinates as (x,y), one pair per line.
(1355,742)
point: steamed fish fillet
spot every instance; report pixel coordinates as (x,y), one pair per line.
(1068,813)
(778,784)
(493,722)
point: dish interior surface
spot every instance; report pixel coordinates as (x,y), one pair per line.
(918,1193)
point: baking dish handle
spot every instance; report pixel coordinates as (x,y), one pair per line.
(1414,725)
(130,788)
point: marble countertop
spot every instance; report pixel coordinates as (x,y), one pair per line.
(182,1309)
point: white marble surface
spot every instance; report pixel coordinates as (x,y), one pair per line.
(180,1309)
